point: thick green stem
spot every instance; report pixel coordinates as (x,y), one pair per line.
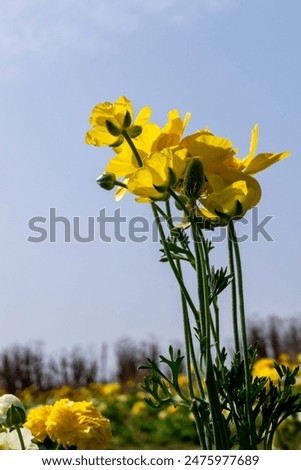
(221,437)
(245,349)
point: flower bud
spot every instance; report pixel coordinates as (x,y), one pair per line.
(106,181)
(194,179)
(8,401)
(15,416)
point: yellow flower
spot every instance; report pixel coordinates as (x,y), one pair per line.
(138,407)
(110,389)
(230,188)
(152,139)
(160,170)
(264,367)
(110,119)
(36,421)
(70,423)
(78,424)
(231,193)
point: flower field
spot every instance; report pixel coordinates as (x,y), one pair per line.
(133,423)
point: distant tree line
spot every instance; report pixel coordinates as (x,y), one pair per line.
(276,335)
(24,366)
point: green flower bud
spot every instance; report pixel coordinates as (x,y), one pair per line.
(106,181)
(194,179)
(6,401)
(15,416)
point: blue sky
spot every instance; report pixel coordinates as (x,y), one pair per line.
(231,63)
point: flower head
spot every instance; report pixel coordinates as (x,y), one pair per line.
(36,421)
(109,120)
(78,424)
(6,401)
(152,139)
(70,424)
(161,170)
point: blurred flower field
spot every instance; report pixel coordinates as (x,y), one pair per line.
(117,406)
(136,425)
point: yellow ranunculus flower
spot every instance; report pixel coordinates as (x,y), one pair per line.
(151,181)
(115,113)
(230,188)
(231,193)
(151,139)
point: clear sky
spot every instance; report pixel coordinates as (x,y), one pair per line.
(231,63)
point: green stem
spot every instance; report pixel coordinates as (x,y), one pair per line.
(119,183)
(199,426)
(172,263)
(20,437)
(234,295)
(133,148)
(245,350)
(221,438)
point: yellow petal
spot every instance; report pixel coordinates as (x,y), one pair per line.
(124,164)
(143,116)
(99,137)
(253,145)
(264,160)
(121,192)
(227,189)
(210,149)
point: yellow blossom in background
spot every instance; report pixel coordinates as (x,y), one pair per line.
(182,380)
(265,367)
(112,388)
(138,407)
